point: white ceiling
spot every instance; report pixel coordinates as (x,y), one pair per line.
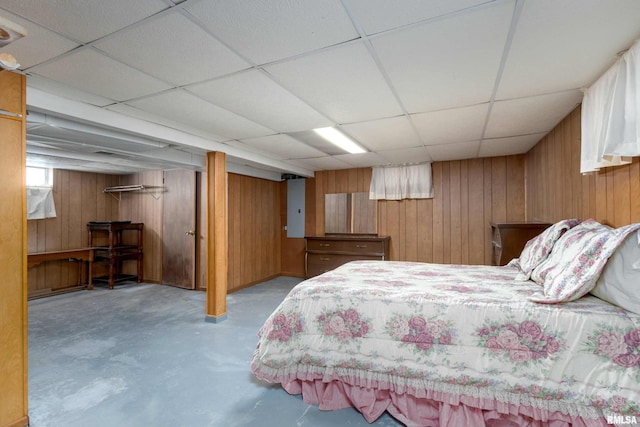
(410,80)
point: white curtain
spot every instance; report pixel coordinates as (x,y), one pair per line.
(401,182)
(611,115)
(40,203)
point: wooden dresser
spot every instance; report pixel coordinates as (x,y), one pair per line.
(508,239)
(324,253)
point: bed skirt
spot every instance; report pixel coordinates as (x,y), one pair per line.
(438,409)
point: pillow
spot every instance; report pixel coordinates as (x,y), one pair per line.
(619,282)
(577,258)
(537,249)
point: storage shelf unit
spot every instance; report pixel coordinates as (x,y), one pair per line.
(113,243)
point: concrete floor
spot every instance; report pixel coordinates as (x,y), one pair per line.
(142,355)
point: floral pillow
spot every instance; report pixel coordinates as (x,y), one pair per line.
(538,249)
(577,258)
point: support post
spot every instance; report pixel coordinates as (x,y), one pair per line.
(217,249)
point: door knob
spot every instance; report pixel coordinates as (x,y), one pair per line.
(190,233)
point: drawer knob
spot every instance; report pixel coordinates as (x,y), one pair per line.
(361,246)
(325,259)
(325,245)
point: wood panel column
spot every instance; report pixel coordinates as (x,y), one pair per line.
(217,248)
(13,257)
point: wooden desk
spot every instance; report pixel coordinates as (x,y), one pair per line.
(82,254)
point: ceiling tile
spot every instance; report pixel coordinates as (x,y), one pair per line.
(281,147)
(268,30)
(406,155)
(381,15)
(84,20)
(454,125)
(321,163)
(55,88)
(567,44)
(344,83)
(39,45)
(510,145)
(171,123)
(193,111)
(447,63)
(384,133)
(530,115)
(95,73)
(173,49)
(255,96)
(457,151)
(361,160)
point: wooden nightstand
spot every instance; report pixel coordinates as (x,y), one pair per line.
(508,239)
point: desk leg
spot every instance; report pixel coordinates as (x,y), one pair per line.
(90,274)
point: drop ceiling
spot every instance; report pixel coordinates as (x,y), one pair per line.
(123,86)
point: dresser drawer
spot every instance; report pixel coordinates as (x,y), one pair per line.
(346,246)
(324,253)
(321,263)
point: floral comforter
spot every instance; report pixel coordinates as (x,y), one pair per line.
(461,330)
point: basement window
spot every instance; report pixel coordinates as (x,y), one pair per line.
(39,177)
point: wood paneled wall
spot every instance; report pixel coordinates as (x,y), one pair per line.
(453,227)
(140,206)
(78,199)
(556,189)
(254,230)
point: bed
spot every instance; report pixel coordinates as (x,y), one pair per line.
(450,345)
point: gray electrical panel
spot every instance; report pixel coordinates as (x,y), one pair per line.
(295,208)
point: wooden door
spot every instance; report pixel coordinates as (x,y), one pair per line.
(179,229)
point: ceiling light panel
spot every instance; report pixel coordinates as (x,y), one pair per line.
(380,15)
(269,30)
(382,134)
(552,34)
(183,107)
(84,20)
(255,96)
(453,125)
(173,49)
(447,63)
(344,83)
(534,114)
(340,140)
(95,73)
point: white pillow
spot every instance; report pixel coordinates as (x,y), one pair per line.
(619,282)
(577,259)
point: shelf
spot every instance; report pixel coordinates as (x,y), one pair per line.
(128,188)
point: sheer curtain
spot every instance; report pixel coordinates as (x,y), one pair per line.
(401,182)
(611,115)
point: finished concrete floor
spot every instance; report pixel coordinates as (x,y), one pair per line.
(142,355)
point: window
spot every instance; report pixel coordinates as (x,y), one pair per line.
(39,177)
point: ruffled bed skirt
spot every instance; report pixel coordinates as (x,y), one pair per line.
(434,409)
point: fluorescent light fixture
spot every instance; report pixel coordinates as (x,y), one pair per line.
(339,139)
